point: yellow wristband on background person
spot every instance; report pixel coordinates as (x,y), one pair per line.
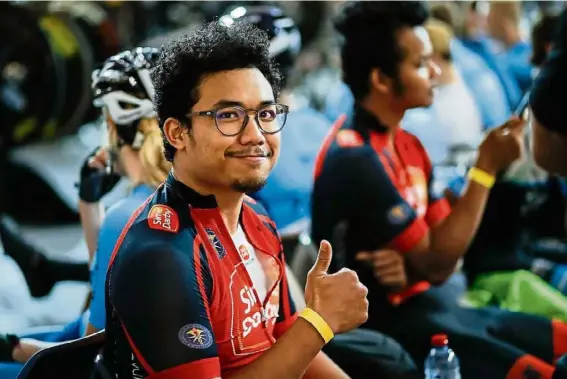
(318,323)
(481,177)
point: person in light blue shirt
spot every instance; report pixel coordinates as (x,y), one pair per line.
(476,40)
(483,83)
(115,219)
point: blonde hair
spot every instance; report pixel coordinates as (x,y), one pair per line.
(151,153)
(440,34)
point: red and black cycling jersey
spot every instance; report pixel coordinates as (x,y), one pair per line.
(180,301)
(371,195)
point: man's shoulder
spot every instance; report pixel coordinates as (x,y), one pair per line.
(257,208)
(161,220)
(347,148)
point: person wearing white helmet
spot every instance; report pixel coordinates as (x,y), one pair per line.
(134,151)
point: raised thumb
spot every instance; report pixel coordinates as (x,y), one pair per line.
(323,258)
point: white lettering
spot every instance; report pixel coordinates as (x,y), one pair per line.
(137,372)
(252,322)
(163,218)
(167,221)
(248,298)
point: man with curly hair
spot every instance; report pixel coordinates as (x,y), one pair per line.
(196,286)
(375,197)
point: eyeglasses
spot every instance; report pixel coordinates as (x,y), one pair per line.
(231,121)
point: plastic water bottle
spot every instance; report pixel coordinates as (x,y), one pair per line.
(441,363)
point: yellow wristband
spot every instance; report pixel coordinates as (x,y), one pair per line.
(481,177)
(318,323)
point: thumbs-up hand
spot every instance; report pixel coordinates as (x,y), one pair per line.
(340,298)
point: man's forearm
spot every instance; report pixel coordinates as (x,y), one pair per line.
(289,357)
(452,237)
(91,220)
(28,347)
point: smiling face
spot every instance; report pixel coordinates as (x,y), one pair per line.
(215,161)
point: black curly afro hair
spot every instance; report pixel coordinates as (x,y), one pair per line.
(369,30)
(184,62)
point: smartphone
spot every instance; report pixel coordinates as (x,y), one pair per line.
(520,110)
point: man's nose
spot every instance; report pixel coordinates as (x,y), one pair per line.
(434,70)
(252,134)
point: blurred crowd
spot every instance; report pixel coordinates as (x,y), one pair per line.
(94,169)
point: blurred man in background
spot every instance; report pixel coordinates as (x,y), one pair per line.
(375,197)
(503,24)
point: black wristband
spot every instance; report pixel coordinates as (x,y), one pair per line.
(7,344)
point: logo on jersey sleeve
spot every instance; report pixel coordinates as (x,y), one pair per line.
(163,218)
(214,240)
(399,214)
(416,191)
(195,336)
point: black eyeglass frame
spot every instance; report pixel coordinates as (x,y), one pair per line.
(213,113)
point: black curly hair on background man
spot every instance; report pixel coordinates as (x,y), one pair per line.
(370,39)
(184,62)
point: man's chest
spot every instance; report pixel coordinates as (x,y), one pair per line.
(246,297)
(405,167)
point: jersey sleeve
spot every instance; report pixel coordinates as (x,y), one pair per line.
(162,297)
(370,200)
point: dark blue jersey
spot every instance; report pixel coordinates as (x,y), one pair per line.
(180,301)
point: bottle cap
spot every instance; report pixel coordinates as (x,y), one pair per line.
(439,340)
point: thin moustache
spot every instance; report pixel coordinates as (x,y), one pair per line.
(263,154)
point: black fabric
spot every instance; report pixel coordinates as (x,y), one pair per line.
(40,272)
(7,344)
(364,354)
(488,341)
(548,100)
(561,371)
(152,320)
(94,183)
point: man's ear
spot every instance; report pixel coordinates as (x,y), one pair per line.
(379,81)
(173,130)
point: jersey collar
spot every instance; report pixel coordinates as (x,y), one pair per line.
(366,121)
(189,195)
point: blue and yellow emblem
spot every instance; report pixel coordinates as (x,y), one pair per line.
(195,336)
(399,214)
(214,240)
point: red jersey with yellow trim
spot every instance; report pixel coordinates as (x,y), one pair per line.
(370,195)
(180,301)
